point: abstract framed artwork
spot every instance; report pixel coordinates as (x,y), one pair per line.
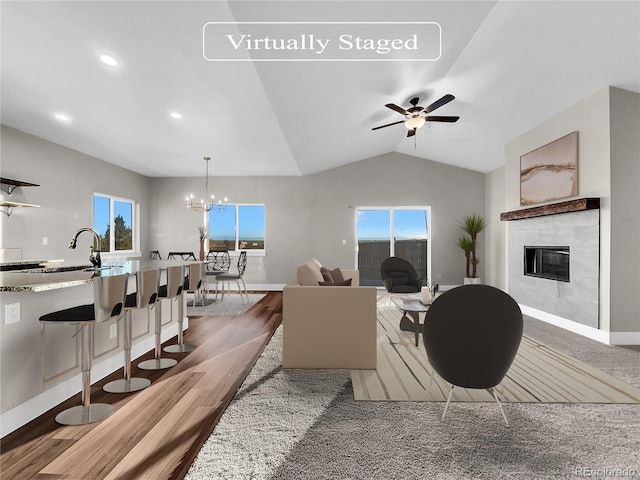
(550,172)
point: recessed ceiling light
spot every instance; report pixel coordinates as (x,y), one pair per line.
(109,60)
(176,115)
(62,117)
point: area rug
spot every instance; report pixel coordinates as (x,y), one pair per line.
(538,373)
(305,424)
(231,306)
(267,417)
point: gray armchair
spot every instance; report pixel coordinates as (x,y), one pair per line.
(399,276)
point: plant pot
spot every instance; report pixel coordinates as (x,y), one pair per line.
(472,280)
(201,250)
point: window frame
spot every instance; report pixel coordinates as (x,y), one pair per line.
(251,252)
(135,225)
(392,210)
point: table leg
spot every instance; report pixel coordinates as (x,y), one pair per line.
(416,324)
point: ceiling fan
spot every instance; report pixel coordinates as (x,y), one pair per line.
(417,116)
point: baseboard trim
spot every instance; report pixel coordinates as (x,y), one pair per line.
(624,338)
(25,412)
(608,338)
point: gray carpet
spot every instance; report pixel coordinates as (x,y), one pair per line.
(304,424)
(232,305)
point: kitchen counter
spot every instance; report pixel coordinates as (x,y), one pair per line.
(49,277)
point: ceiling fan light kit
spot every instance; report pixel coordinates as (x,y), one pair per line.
(417,116)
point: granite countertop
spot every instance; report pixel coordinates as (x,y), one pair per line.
(54,276)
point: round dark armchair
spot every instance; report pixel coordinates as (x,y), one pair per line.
(399,276)
(471,335)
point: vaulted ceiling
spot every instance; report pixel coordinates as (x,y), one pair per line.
(510,65)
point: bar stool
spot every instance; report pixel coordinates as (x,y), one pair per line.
(154,255)
(193,283)
(109,298)
(170,291)
(147,284)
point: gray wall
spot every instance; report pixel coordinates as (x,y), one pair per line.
(625,210)
(67,180)
(310,216)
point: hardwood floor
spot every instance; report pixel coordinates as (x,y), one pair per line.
(155,433)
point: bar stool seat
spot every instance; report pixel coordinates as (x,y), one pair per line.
(109,299)
(145,297)
(170,291)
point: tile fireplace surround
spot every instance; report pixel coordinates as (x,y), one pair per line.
(576,300)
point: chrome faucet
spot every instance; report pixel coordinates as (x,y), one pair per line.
(94,257)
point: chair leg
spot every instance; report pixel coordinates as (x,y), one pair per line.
(447,404)
(244,287)
(86,413)
(495,396)
(127,384)
(158,363)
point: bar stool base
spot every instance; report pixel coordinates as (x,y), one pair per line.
(81,415)
(157,363)
(123,385)
(177,348)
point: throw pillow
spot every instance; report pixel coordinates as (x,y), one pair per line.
(327,275)
(309,274)
(336,274)
(343,283)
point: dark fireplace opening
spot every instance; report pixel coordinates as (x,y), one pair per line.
(547,262)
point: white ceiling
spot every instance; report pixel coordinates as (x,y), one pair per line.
(510,64)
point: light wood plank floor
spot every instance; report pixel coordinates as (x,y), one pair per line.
(538,373)
(155,433)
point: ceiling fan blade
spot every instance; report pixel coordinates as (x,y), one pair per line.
(438,103)
(387,125)
(436,118)
(412,132)
(398,109)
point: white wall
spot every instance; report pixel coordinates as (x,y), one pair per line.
(310,216)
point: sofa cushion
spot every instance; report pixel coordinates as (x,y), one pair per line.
(309,274)
(332,276)
(343,283)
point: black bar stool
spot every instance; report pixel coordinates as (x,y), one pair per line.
(109,298)
(170,291)
(147,285)
(193,283)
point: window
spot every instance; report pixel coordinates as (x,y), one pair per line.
(114,220)
(383,232)
(237,227)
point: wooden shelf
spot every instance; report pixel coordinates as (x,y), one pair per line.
(577,205)
(9,206)
(13,184)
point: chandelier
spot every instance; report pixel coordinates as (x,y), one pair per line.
(202,206)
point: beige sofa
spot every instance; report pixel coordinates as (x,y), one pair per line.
(328,326)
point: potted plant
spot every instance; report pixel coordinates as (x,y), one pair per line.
(203,234)
(471,225)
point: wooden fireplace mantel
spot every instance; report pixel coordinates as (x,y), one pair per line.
(577,205)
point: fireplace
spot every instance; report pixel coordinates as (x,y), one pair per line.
(551,262)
